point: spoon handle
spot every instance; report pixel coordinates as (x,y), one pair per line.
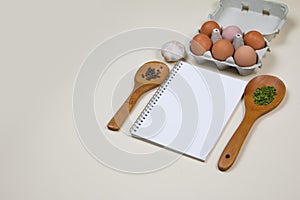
(234,145)
(121,115)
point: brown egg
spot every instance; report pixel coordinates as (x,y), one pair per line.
(200,44)
(222,49)
(245,56)
(255,40)
(208,27)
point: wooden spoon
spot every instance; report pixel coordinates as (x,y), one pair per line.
(253,111)
(149,76)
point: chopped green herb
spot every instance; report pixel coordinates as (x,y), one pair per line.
(264,95)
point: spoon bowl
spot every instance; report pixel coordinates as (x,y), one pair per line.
(258,82)
(253,112)
(149,76)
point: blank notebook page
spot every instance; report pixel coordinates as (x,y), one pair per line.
(189,110)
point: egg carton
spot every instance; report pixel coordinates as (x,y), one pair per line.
(229,62)
(267,17)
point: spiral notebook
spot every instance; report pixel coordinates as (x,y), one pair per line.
(189,110)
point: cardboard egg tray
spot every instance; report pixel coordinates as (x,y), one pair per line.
(229,62)
(264,16)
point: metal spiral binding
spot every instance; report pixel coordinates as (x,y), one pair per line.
(144,114)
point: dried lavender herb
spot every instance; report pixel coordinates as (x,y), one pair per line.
(264,95)
(151,74)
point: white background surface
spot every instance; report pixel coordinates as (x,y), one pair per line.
(43,44)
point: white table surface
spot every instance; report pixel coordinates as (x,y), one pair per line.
(42,47)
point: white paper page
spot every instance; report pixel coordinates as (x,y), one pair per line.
(192,110)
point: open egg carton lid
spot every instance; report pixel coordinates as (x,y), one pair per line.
(267,17)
